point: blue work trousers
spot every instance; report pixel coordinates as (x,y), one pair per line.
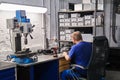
(74,74)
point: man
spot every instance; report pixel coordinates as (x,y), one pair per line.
(79,54)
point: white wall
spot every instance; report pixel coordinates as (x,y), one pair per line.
(36,19)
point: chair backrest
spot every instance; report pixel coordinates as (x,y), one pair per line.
(96,68)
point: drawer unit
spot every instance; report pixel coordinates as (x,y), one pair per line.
(63,64)
(7,74)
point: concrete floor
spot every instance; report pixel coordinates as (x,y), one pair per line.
(113,75)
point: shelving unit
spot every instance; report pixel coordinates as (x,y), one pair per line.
(83,21)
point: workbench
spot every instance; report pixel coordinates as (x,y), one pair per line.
(46,68)
(7,71)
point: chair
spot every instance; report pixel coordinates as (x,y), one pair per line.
(96,67)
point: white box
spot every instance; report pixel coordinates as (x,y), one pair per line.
(92,21)
(68,39)
(68,36)
(87,7)
(74,24)
(80,24)
(88,17)
(81,19)
(75,15)
(62,33)
(86,1)
(63,15)
(67,20)
(62,24)
(100,7)
(78,7)
(87,37)
(73,19)
(100,1)
(62,37)
(67,24)
(69,31)
(98,20)
(93,1)
(87,22)
(62,20)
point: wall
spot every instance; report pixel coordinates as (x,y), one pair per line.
(50,22)
(36,19)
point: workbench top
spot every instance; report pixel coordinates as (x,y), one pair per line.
(42,59)
(6,65)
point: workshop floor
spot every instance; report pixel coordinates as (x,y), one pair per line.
(113,75)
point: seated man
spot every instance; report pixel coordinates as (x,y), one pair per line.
(79,54)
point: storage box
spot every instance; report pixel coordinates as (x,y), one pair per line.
(78,7)
(80,24)
(86,1)
(69,31)
(62,37)
(87,37)
(67,24)
(81,19)
(92,21)
(88,22)
(100,1)
(68,36)
(62,32)
(73,19)
(74,24)
(87,7)
(88,17)
(75,15)
(63,15)
(62,20)
(67,20)
(62,24)
(100,7)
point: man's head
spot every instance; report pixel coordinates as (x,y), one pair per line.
(76,37)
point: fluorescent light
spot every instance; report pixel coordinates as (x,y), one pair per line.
(14,7)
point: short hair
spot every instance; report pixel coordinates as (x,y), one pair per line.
(77,35)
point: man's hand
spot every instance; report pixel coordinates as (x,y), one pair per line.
(64,53)
(66,56)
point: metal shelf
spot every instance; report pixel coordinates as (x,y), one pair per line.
(65,41)
(79,26)
(80,11)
